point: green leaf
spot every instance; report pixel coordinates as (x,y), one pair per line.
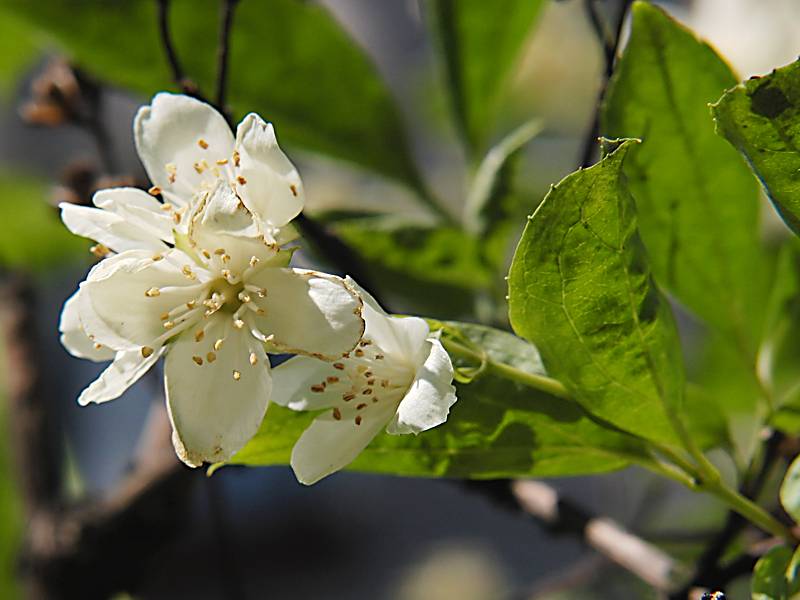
(436,270)
(289,61)
(790,490)
(697,202)
(769,576)
(33,235)
(483,207)
(580,289)
(480,42)
(779,355)
(497,428)
(761,118)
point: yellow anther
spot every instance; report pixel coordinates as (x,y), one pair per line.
(237,376)
(198,337)
(153,292)
(202,143)
(253,359)
(198,360)
(218,345)
(154,191)
(211,357)
(147,351)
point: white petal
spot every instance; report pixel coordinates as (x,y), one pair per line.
(118,310)
(308,312)
(272,189)
(330,444)
(138,209)
(214,414)
(126,369)
(428,400)
(221,221)
(292,381)
(109,229)
(172,131)
(74,338)
(403,338)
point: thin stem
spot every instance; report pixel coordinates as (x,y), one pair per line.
(749,510)
(610,51)
(187,85)
(223,49)
(539,382)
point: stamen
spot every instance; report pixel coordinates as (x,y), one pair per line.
(318,388)
(176,217)
(219,251)
(337,414)
(338,366)
(97,345)
(379,357)
(154,191)
(199,168)
(254,261)
(147,351)
(236,158)
(222,161)
(172,171)
(164,316)
(191,304)
(211,357)
(218,344)
(359,352)
(348,397)
(157,257)
(166,207)
(361,406)
(237,376)
(358,419)
(169,324)
(238,323)
(367,392)
(198,337)
(187,271)
(202,143)
(153,292)
(241,180)
(293,187)
(253,359)
(100,251)
(198,360)
(332,379)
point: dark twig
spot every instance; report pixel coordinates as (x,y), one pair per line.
(84,550)
(186,85)
(610,51)
(223,49)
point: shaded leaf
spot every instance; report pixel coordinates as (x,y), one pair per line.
(496,429)
(769,576)
(790,490)
(480,42)
(696,200)
(761,118)
(580,289)
(289,61)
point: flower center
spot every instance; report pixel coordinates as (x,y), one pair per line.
(367,379)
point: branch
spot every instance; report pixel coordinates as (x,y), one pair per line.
(186,85)
(609,538)
(223,48)
(610,51)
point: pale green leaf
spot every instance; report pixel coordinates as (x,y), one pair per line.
(480,42)
(769,576)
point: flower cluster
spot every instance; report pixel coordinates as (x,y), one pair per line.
(196,270)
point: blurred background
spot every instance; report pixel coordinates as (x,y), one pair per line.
(374,158)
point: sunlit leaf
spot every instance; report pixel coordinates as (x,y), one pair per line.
(580,288)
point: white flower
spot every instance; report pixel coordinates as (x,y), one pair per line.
(398,377)
(202,280)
